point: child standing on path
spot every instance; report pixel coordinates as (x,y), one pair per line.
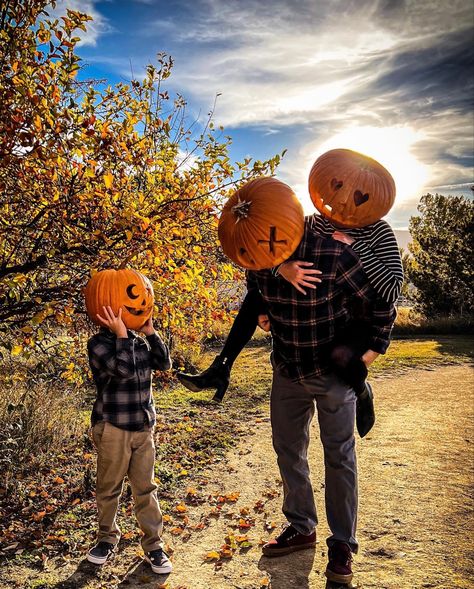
(123,419)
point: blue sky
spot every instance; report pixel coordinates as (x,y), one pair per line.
(390,78)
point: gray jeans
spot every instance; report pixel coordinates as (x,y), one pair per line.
(292,409)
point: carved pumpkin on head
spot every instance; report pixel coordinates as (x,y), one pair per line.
(120,288)
(350,189)
(261,224)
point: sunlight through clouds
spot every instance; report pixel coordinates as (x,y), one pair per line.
(392,147)
(391,78)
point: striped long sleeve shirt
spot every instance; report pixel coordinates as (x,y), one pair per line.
(378,251)
(122,370)
(304,326)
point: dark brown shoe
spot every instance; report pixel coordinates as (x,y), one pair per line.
(339,569)
(288,541)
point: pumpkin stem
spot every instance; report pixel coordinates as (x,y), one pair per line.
(241,209)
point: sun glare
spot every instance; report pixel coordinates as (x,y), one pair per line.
(391,146)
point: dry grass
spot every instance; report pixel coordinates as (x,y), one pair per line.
(409,322)
(39,419)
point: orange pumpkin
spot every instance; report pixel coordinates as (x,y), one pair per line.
(261,224)
(351,189)
(125,288)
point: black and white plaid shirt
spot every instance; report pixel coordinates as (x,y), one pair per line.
(122,371)
(304,326)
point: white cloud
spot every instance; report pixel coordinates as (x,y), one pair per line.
(331,67)
(95,28)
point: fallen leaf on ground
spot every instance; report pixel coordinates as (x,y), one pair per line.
(213,555)
(176,531)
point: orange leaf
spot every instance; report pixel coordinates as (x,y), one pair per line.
(226,553)
(241,538)
(108,179)
(176,531)
(213,555)
(37,517)
(58,481)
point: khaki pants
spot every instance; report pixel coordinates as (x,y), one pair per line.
(120,453)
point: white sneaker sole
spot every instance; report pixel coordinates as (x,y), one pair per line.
(163,570)
(98,559)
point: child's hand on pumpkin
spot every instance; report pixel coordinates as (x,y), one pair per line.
(114,323)
(148,328)
(298,274)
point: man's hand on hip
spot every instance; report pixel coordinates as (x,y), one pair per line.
(263,322)
(369,357)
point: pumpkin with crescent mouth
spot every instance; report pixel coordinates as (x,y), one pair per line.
(126,289)
(350,189)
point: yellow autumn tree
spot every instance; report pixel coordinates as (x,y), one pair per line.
(95,177)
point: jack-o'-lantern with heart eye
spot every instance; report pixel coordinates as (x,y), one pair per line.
(126,288)
(350,189)
(261,224)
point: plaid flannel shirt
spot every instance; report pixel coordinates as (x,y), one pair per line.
(122,372)
(304,326)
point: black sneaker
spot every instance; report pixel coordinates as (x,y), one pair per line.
(365,412)
(288,541)
(160,563)
(101,552)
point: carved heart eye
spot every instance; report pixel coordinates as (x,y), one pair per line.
(336,184)
(360,198)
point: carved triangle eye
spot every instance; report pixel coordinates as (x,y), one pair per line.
(360,198)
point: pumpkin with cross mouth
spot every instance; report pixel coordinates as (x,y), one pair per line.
(261,224)
(126,289)
(350,189)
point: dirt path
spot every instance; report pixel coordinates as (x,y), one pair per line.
(416,508)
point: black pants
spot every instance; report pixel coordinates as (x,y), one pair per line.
(344,356)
